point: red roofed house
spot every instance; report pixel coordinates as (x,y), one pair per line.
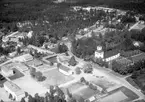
(106,55)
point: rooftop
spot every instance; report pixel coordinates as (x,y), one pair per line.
(13,87)
(138,26)
(110,53)
(64,68)
(138,57)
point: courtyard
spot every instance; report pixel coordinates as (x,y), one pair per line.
(54,77)
(30,85)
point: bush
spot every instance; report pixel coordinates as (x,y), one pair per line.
(82,80)
(93,87)
(78,71)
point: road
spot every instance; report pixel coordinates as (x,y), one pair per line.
(113,77)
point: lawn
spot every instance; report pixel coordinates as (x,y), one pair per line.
(54,77)
(124,92)
(131,81)
(102,82)
(115,97)
(30,85)
(79,89)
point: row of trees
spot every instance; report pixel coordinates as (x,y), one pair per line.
(55,94)
(37,75)
(128,68)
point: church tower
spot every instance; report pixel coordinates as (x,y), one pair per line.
(99,53)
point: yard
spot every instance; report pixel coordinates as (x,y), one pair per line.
(54,77)
(30,85)
(79,89)
(121,94)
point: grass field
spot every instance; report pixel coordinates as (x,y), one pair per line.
(54,77)
(125,93)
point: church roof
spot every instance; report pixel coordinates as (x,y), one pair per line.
(110,53)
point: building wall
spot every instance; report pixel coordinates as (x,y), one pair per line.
(112,57)
(99,54)
(64,72)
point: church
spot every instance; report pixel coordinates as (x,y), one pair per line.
(106,56)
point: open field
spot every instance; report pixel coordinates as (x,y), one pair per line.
(115,97)
(102,82)
(30,85)
(54,77)
(121,94)
(79,89)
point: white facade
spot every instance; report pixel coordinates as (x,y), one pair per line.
(112,57)
(99,54)
(66,72)
(23,58)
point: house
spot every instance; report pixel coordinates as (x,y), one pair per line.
(139,26)
(106,55)
(65,70)
(23,58)
(16,92)
(7,71)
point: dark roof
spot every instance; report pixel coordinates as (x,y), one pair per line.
(110,53)
(138,57)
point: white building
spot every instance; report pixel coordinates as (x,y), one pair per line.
(16,92)
(106,56)
(7,71)
(23,58)
(65,70)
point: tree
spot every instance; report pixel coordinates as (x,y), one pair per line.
(22,100)
(18,50)
(77,70)
(30,99)
(72,61)
(88,68)
(38,76)
(32,72)
(26,94)
(10,96)
(1,101)
(82,80)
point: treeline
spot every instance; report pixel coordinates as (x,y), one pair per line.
(128,69)
(14,11)
(54,95)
